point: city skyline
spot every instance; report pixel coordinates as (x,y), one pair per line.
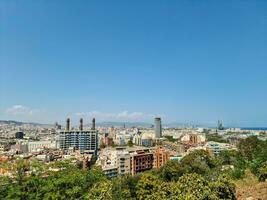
(186,62)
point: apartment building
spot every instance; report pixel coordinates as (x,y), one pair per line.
(141,161)
(161,157)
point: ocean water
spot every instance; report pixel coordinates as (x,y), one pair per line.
(255,128)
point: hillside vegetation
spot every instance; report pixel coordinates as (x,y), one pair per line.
(196,176)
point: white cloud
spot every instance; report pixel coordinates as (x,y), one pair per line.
(21,110)
(123,116)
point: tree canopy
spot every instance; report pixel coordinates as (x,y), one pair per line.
(196,176)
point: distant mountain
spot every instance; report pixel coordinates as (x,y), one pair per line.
(103,124)
(10,122)
(126,124)
(141,124)
(107,124)
(21,123)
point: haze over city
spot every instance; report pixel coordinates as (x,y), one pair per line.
(184,61)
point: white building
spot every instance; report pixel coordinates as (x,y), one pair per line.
(144,138)
(35,146)
(194,138)
(123,162)
(216,148)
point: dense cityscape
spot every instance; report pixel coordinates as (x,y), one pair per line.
(120,151)
(133,100)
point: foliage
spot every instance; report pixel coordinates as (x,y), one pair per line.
(228,157)
(171,171)
(223,188)
(263,172)
(124,187)
(250,147)
(199,162)
(196,176)
(101,191)
(235,159)
(69,183)
(216,138)
(148,187)
(237,173)
(254,152)
(194,187)
(170,139)
(93,160)
(130,143)
(188,186)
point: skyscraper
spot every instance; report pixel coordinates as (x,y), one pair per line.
(220,125)
(158,127)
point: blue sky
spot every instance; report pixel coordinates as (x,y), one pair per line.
(187,61)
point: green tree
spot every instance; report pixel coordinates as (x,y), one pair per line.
(223,188)
(101,191)
(147,187)
(170,138)
(93,160)
(237,173)
(235,159)
(263,172)
(66,184)
(120,189)
(130,143)
(216,138)
(124,187)
(250,147)
(228,157)
(194,187)
(198,162)
(171,171)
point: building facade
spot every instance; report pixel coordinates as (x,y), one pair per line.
(193,139)
(158,128)
(110,172)
(123,163)
(79,140)
(161,157)
(39,145)
(141,161)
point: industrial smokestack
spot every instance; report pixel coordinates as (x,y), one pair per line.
(68,124)
(81,124)
(93,124)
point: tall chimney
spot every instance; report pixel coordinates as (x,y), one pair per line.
(81,124)
(68,124)
(93,124)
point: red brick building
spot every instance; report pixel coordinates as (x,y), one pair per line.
(141,161)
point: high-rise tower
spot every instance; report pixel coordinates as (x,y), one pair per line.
(158,127)
(220,125)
